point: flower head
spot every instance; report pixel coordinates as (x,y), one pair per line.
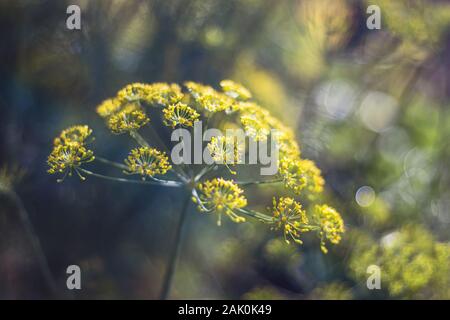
(108,107)
(180,114)
(330,223)
(235,90)
(226,150)
(147,162)
(209,99)
(130,118)
(133,93)
(299,174)
(289,216)
(163,94)
(221,196)
(66,158)
(73,134)
(255,121)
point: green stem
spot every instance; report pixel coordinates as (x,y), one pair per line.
(112,163)
(166,183)
(139,139)
(35,243)
(170,271)
(247,183)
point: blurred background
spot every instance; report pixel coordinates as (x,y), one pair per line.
(371,107)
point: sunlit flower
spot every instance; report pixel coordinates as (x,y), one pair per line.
(134,92)
(254,119)
(221,196)
(147,162)
(299,174)
(226,150)
(73,134)
(163,94)
(179,114)
(289,216)
(66,158)
(130,118)
(108,107)
(209,99)
(235,90)
(285,139)
(330,223)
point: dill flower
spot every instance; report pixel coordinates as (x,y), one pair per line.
(235,90)
(221,196)
(209,99)
(147,162)
(130,118)
(254,119)
(330,223)
(289,216)
(73,134)
(163,94)
(133,92)
(286,140)
(66,158)
(226,150)
(108,107)
(179,114)
(298,174)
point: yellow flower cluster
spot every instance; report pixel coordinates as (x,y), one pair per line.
(209,99)
(108,107)
(130,118)
(221,196)
(235,90)
(179,114)
(69,151)
(255,120)
(289,215)
(330,223)
(413,264)
(78,134)
(227,150)
(147,162)
(125,112)
(159,94)
(299,174)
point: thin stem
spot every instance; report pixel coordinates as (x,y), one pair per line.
(204,171)
(139,139)
(35,243)
(170,271)
(257,215)
(112,163)
(247,183)
(166,183)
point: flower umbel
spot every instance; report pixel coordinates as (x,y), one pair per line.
(209,99)
(330,223)
(221,196)
(179,114)
(230,108)
(66,158)
(109,107)
(147,162)
(77,134)
(298,174)
(226,150)
(130,118)
(235,90)
(289,216)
